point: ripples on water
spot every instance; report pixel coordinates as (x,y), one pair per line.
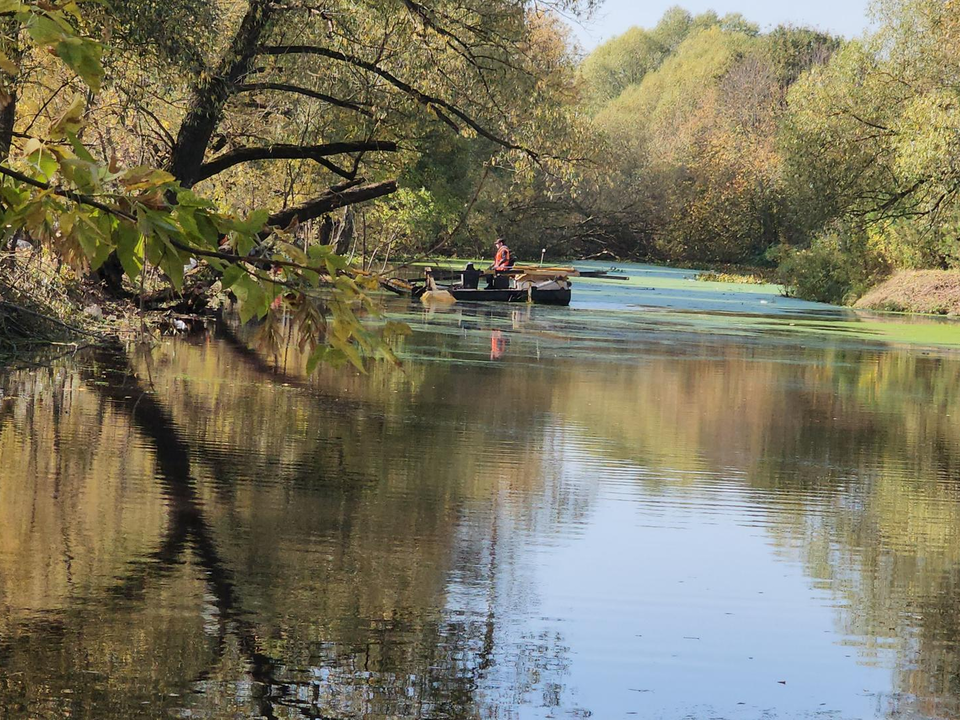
(550,513)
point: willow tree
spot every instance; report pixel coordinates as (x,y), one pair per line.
(692,166)
(338,88)
(209,101)
(873,139)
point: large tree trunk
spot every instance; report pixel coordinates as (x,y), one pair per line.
(345,234)
(211,93)
(8,118)
(8,113)
(207,101)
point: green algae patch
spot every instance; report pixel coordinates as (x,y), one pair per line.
(665,279)
(669,305)
(733,278)
(926,332)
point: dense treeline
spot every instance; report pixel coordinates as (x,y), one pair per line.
(837,160)
(284,146)
(705,140)
(699,170)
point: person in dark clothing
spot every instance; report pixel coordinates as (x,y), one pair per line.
(470,278)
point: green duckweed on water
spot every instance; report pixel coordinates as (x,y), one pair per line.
(656,300)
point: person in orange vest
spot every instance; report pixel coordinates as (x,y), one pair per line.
(504,258)
(502,261)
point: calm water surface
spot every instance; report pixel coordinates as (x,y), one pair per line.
(661,502)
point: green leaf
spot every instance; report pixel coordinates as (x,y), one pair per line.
(335,262)
(184,216)
(172,265)
(348,287)
(244,243)
(80,149)
(160,221)
(350,352)
(231,275)
(251,226)
(319,355)
(252,299)
(293,252)
(66,221)
(207,230)
(82,174)
(84,58)
(130,247)
(44,30)
(12,196)
(45,163)
(318,253)
(73,8)
(187,198)
(95,244)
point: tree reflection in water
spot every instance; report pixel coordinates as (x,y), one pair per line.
(300,571)
(190,529)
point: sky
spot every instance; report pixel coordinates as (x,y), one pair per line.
(842,17)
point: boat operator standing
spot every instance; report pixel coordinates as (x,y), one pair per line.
(504,258)
(502,261)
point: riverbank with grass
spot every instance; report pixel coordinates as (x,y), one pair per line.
(930,292)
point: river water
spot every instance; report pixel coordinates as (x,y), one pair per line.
(672,499)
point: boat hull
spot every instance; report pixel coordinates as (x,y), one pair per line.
(552,297)
(560,296)
(539,297)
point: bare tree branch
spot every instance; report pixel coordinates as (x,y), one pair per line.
(290,152)
(438,106)
(296,89)
(331,200)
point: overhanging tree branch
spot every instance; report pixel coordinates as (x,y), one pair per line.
(332,200)
(438,106)
(297,90)
(336,169)
(68,194)
(290,152)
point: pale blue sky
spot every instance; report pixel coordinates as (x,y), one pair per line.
(843,17)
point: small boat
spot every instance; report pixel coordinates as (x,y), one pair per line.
(538,296)
(538,285)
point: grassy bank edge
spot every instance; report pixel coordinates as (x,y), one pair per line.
(927,292)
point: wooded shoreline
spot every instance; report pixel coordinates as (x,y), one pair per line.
(286,155)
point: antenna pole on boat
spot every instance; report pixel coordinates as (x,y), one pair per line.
(542,254)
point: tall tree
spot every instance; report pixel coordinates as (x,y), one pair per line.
(278,111)
(873,138)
